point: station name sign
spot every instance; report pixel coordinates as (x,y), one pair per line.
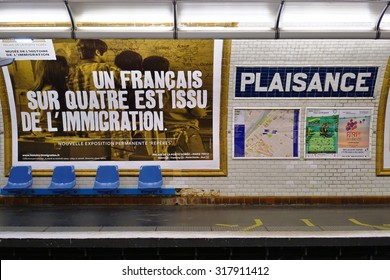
(305,82)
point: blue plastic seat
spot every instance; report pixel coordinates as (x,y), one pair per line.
(150,178)
(107,178)
(19,180)
(63,179)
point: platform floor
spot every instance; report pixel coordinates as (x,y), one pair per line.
(222,227)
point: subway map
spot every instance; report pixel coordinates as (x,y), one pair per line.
(269,133)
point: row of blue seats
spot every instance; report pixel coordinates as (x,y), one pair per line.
(64,179)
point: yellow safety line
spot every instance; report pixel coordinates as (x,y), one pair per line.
(226,225)
(368,225)
(308,222)
(258,223)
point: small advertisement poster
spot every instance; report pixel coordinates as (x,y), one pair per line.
(383,128)
(27,49)
(266,133)
(116,101)
(338,133)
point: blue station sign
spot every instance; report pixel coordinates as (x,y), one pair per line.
(305,82)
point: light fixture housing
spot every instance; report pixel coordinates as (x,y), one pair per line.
(35,19)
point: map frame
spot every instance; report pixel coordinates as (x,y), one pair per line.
(296,153)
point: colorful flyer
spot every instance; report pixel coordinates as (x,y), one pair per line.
(338,133)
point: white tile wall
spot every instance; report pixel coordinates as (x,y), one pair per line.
(309,177)
(336,177)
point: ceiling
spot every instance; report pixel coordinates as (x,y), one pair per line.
(169,19)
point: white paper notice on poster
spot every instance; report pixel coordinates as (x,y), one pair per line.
(27,49)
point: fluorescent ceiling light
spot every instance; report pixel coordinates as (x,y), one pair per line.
(124,28)
(34,29)
(34,15)
(330,16)
(35,20)
(226,15)
(130,15)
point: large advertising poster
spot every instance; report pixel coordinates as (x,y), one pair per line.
(123,102)
(266,133)
(338,133)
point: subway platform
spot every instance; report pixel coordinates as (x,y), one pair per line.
(195,232)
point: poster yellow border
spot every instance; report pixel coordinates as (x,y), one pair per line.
(6,125)
(381,170)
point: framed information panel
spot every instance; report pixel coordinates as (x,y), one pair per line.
(266,133)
